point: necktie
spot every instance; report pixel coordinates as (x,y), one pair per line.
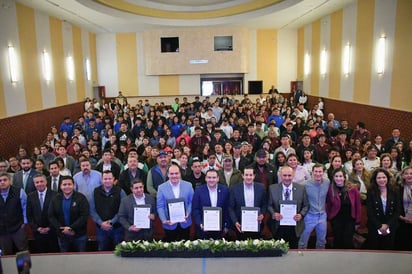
(25,177)
(54,185)
(41,200)
(287,194)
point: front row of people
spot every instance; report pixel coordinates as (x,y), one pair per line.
(59,219)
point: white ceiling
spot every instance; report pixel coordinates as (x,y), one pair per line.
(88,14)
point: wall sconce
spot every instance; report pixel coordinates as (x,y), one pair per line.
(306,65)
(70,68)
(380,55)
(13,65)
(323,62)
(88,70)
(47,72)
(347,59)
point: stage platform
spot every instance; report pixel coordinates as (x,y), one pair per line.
(310,261)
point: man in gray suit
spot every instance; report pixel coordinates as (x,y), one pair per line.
(287,192)
(126,212)
(24,177)
(175,188)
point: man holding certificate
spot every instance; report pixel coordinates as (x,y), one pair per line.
(210,207)
(137,212)
(287,205)
(247,206)
(174,206)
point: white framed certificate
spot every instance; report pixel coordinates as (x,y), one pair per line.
(249,220)
(141,216)
(288,210)
(212,218)
(177,212)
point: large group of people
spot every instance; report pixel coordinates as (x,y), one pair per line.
(299,170)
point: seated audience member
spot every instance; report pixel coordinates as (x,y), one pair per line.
(228,175)
(196,177)
(404,235)
(12,217)
(247,194)
(158,174)
(24,177)
(104,207)
(360,177)
(287,191)
(87,179)
(45,237)
(383,207)
(210,194)
(68,213)
(343,208)
(137,197)
(132,172)
(300,174)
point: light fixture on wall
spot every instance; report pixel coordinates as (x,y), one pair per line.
(323,62)
(306,64)
(70,68)
(380,55)
(13,65)
(88,70)
(47,72)
(347,59)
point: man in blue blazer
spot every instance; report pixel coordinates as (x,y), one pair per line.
(248,194)
(210,194)
(26,171)
(175,188)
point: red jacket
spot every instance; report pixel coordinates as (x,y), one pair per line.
(333,204)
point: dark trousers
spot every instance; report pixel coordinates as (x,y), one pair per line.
(17,239)
(46,243)
(343,230)
(288,234)
(177,234)
(107,240)
(72,243)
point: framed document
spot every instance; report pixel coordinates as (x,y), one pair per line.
(141,216)
(212,218)
(177,212)
(288,210)
(250,221)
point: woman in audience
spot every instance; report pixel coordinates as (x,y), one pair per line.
(360,177)
(386,163)
(396,158)
(335,163)
(40,168)
(343,208)
(228,148)
(170,139)
(383,207)
(300,173)
(63,170)
(404,233)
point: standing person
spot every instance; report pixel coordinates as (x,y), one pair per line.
(12,216)
(53,181)
(157,175)
(196,177)
(24,177)
(45,237)
(210,194)
(175,188)
(316,189)
(247,194)
(228,175)
(287,191)
(104,207)
(126,212)
(264,172)
(87,180)
(383,207)
(108,164)
(343,208)
(68,213)
(404,235)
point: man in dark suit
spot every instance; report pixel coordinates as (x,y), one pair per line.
(108,164)
(24,177)
(45,237)
(247,194)
(126,212)
(68,213)
(53,181)
(210,194)
(286,191)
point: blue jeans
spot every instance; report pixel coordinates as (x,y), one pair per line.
(318,222)
(106,240)
(66,243)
